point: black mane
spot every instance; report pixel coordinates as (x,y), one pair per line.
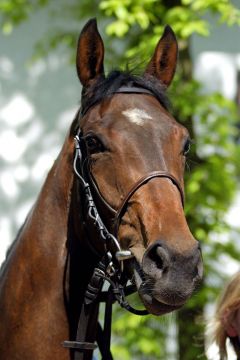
(107,86)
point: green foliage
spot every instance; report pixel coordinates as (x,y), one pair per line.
(211,182)
(226,11)
(127,13)
(137,337)
(211,119)
(186,16)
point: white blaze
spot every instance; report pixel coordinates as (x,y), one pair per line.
(137,116)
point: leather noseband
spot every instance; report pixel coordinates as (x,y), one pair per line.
(143,180)
(117,214)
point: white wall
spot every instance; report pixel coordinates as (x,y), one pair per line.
(37,105)
(217,57)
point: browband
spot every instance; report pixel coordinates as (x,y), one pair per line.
(133,90)
(121,90)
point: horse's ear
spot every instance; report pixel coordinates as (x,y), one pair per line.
(164,61)
(90,53)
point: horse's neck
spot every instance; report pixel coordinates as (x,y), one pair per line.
(32,285)
(44,234)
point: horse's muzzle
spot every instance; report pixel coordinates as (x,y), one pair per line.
(166,279)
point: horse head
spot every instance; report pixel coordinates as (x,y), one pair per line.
(135,156)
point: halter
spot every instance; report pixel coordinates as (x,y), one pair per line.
(110,268)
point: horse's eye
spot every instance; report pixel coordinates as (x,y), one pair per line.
(187,147)
(93,144)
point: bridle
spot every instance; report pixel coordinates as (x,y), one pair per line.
(110,267)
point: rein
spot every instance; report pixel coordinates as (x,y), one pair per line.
(110,267)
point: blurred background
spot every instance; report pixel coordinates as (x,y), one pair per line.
(40,93)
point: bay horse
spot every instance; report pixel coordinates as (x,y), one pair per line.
(128,153)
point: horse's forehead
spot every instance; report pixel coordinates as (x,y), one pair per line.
(143,112)
(125,111)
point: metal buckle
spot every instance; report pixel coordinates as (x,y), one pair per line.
(122,255)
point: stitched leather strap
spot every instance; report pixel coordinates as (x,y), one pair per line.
(133,90)
(117,214)
(121,90)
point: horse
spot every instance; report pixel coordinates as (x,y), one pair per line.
(116,191)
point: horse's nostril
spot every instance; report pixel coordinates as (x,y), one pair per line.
(159,256)
(159,259)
